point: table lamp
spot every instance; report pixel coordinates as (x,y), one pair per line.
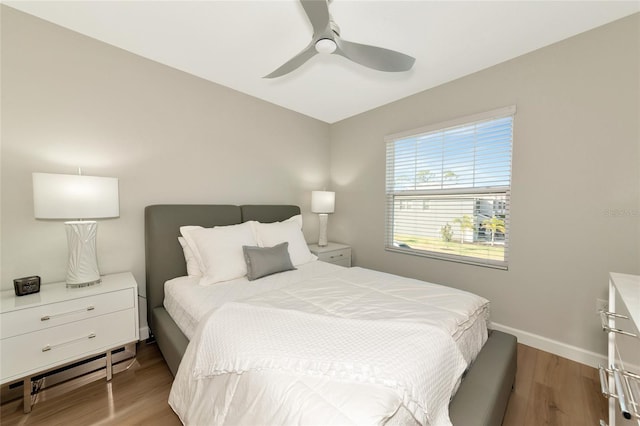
(58,196)
(323,203)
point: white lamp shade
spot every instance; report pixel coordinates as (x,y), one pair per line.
(323,201)
(57,196)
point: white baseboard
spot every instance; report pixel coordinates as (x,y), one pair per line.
(564,350)
(144,333)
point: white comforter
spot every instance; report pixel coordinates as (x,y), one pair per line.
(351,347)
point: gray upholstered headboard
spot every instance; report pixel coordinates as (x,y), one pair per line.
(164,256)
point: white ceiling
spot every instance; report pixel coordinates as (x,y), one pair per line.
(235,43)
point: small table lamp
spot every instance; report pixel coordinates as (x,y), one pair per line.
(323,202)
(57,196)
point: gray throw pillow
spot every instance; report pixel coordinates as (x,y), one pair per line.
(263,261)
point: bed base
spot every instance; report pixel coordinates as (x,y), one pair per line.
(482,397)
(484,393)
(171,342)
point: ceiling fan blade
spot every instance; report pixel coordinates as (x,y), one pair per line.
(294,62)
(378,58)
(318,13)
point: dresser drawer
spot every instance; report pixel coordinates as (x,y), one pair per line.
(342,262)
(40,350)
(343,256)
(45,316)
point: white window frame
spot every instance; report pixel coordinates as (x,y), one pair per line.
(392,192)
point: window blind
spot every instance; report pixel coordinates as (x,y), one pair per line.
(448,189)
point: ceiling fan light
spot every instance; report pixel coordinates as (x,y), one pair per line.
(325,45)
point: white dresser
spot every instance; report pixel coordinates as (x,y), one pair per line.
(620,380)
(60,325)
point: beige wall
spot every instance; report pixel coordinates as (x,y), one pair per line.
(70,101)
(575,158)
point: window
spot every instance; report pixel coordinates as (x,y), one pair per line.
(459,173)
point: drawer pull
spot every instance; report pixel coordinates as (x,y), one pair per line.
(48,317)
(604,381)
(622,389)
(340,255)
(617,330)
(604,319)
(613,314)
(49,347)
(621,395)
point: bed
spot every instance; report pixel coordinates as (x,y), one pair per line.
(480,399)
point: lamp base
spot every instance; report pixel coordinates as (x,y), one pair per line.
(322,239)
(82,269)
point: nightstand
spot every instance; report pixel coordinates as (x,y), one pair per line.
(59,325)
(338,254)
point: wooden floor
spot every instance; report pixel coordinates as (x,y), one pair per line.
(549,391)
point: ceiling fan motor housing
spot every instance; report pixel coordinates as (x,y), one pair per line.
(326,45)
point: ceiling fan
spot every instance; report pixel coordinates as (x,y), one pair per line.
(326,39)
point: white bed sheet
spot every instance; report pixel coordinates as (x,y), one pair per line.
(188,302)
(414,302)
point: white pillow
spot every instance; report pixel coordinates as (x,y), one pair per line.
(184,230)
(271,234)
(193,268)
(220,250)
(297,219)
